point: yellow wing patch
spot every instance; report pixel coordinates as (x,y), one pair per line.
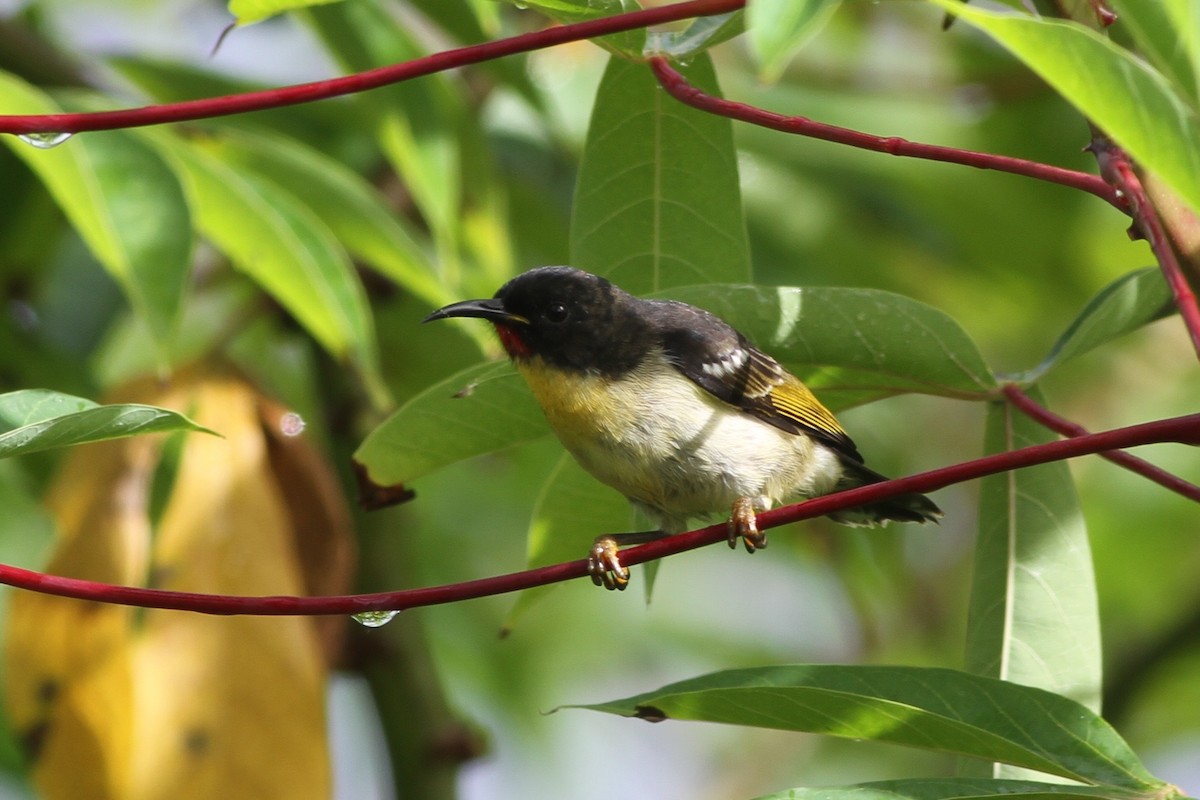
(794,400)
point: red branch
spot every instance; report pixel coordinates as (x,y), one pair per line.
(683,91)
(362,81)
(1117,168)
(1046,417)
(1179,429)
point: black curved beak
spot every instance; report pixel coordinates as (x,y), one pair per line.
(491,309)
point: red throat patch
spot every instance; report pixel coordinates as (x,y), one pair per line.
(510,337)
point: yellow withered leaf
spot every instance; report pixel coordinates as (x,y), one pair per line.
(145,704)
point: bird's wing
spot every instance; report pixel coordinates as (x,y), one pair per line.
(720,360)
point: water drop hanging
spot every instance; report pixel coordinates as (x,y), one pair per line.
(291,424)
(374,619)
(44,140)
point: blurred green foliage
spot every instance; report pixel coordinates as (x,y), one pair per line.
(303,246)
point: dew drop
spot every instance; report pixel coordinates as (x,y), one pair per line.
(656,44)
(44,140)
(374,619)
(291,424)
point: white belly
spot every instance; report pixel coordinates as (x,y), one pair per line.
(674,449)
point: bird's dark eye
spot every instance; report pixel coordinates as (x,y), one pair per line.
(557,312)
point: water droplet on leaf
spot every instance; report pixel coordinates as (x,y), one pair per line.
(291,424)
(374,619)
(44,140)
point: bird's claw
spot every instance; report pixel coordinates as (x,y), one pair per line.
(743,524)
(604,565)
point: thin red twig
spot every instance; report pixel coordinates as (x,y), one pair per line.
(362,81)
(1117,168)
(1045,416)
(1179,429)
(681,90)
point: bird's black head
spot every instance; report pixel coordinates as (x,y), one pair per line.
(570,318)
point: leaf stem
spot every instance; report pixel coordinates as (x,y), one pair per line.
(1184,429)
(1048,418)
(1119,171)
(208,108)
(685,92)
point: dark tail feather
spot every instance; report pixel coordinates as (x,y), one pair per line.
(911,507)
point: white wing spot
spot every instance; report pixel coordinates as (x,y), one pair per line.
(729,363)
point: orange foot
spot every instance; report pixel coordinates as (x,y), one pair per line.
(743,524)
(604,565)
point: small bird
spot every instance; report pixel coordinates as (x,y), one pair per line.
(675,409)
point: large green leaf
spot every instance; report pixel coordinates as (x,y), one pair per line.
(287,249)
(1124,305)
(955,789)
(479,410)
(353,209)
(1033,617)
(124,201)
(930,708)
(37,419)
(248,11)
(1185,17)
(778,28)
(657,203)
(321,124)
(1166,37)
(872,343)
(1126,97)
(415,122)
(630,44)
(571,511)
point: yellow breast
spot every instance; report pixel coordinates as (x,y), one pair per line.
(582,408)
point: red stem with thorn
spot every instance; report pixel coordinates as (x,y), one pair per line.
(362,81)
(1122,189)
(684,92)
(1179,429)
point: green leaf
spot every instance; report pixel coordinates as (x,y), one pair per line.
(321,124)
(1033,615)
(480,410)
(1128,99)
(476,21)
(1123,306)
(125,203)
(778,28)
(415,122)
(930,708)
(571,511)
(1166,38)
(248,11)
(286,249)
(657,202)
(1185,16)
(32,420)
(209,316)
(353,209)
(953,789)
(630,44)
(877,343)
